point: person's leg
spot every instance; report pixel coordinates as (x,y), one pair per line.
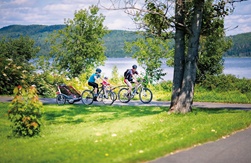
(95,91)
(105,91)
(95,87)
(104,88)
(129,84)
(136,86)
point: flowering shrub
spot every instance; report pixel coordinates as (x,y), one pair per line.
(25,112)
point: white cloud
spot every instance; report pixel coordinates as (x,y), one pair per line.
(241,17)
(117,19)
(124,24)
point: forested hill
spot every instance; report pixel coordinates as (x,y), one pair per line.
(241,46)
(114,41)
(30,30)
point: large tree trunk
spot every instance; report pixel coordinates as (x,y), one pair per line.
(183,100)
(179,56)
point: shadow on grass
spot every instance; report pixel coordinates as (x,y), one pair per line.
(101,113)
(218,110)
(82,113)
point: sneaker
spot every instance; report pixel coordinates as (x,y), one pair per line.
(95,98)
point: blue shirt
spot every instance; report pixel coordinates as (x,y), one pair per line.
(92,78)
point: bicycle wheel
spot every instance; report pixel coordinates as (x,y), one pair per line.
(145,95)
(108,98)
(87,97)
(122,95)
(60,99)
(115,96)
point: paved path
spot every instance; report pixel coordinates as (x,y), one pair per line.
(165,103)
(153,103)
(233,149)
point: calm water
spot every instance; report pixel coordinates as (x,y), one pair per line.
(240,67)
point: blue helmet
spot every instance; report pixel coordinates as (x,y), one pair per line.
(98,70)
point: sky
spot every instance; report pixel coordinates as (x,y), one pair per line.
(51,12)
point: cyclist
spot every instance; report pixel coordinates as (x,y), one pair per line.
(92,82)
(105,83)
(130,76)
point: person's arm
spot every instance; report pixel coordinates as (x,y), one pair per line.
(95,77)
(138,75)
(134,77)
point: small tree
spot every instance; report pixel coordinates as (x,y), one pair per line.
(149,51)
(115,75)
(210,56)
(79,45)
(25,112)
(15,66)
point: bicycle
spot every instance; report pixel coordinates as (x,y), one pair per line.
(145,94)
(107,97)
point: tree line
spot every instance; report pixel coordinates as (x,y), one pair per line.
(241,46)
(114,41)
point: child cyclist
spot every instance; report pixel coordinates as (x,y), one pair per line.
(105,84)
(92,82)
(130,76)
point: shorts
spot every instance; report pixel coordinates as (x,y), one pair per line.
(128,82)
(94,85)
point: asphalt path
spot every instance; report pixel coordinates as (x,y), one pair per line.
(235,148)
(153,103)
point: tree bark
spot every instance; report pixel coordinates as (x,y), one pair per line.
(182,97)
(179,56)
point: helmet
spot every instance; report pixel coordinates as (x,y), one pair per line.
(134,66)
(98,70)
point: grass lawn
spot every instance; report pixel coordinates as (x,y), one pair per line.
(79,133)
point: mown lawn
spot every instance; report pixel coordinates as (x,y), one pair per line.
(79,133)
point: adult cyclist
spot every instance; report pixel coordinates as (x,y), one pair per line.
(92,82)
(130,76)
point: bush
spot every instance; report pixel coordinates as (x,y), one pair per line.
(25,112)
(46,83)
(164,85)
(227,83)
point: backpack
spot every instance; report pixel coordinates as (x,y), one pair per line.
(126,73)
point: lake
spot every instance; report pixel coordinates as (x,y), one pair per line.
(240,67)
